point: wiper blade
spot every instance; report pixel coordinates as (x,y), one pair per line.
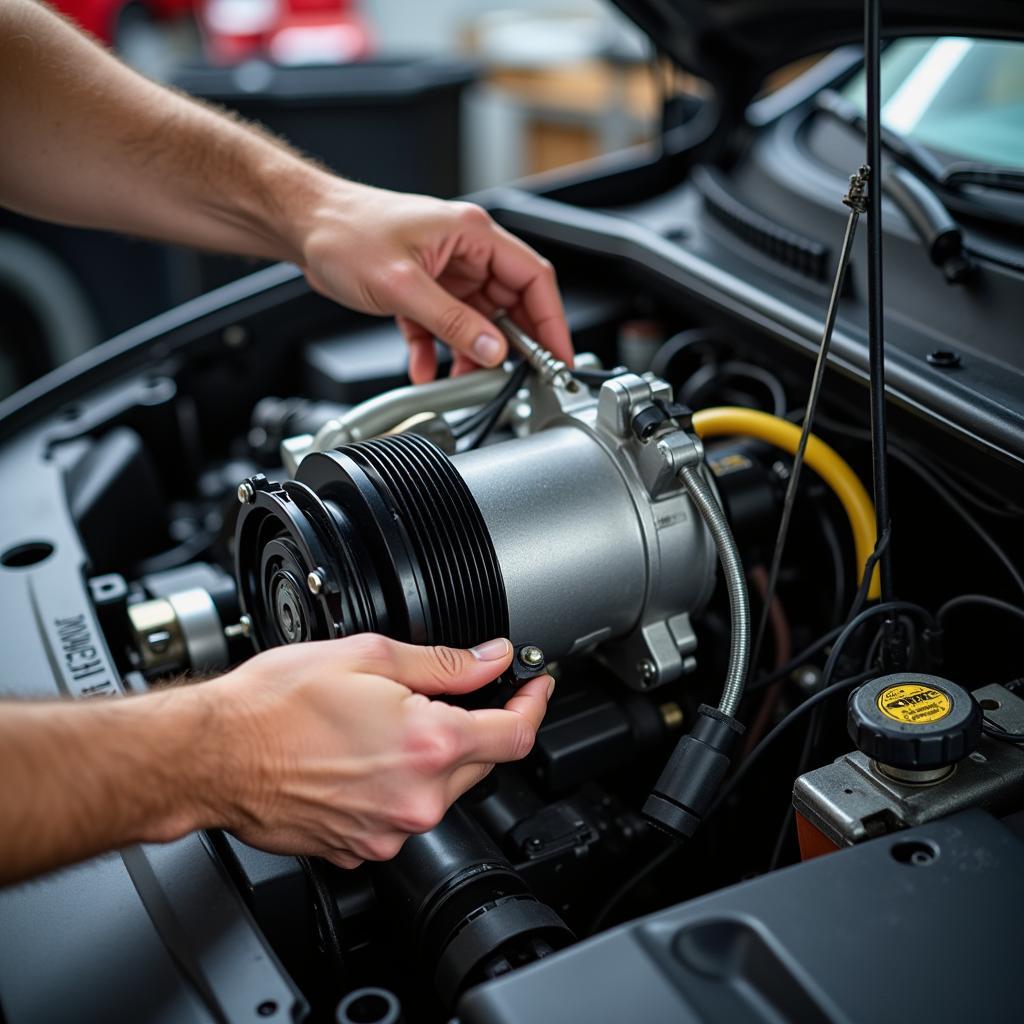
(917,158)
(907,151)
(910,184)
(1005,179)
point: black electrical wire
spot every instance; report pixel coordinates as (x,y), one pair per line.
(965,600)
(679,343)
(876,308)
(930,476)
(997,732)
(755,755)
(911,457)
(835,549)
(475,428)
(708,377)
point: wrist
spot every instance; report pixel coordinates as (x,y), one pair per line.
(179,778)
(305,201)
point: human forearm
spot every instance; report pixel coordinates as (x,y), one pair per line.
(83,778)
(100,146)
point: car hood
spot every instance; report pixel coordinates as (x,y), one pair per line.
(735,44)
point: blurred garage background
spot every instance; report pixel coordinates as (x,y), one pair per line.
(445,97)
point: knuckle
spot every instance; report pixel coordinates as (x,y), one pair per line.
(396,277)
(368,649)
(382,847)
(472,215)
(419,815)
(433,746)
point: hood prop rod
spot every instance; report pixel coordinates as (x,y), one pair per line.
(876,324)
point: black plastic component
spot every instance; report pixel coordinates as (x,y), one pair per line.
(470,915)
(357,365)
(865,934)
(928,216)
(409,106)
(805,255)
(690,781)
(750,488)
(914,721)
(116,500)
(274,419)
(589,734)
(395,540)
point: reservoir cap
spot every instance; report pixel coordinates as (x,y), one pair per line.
(914,721)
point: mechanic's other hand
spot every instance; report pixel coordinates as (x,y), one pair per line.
(338,751)
(442,268)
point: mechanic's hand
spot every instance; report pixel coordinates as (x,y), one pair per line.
(442,268)
(339,751)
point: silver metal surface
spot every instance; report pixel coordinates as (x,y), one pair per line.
(315,582)
(201,628)
(380,414)
(597,547)
(157,636)
(551,370)
(850,800)
(245,492)
(531,656)
(735,583)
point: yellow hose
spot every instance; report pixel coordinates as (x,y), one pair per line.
(824,460)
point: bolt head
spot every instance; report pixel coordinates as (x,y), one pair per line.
(647,669)
(532,656)
(315,582)
(246,492)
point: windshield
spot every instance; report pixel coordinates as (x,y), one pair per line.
(961,97)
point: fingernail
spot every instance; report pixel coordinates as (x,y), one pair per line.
(487,349)
(551,688)
(492,650)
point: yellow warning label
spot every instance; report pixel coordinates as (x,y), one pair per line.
(914,703)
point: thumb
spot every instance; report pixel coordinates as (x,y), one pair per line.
(457,324)
(431,670)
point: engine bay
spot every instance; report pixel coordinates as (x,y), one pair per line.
(267,477)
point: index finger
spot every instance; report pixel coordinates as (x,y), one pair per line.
(497,735)
(516,266)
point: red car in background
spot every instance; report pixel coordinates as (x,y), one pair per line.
(282,31)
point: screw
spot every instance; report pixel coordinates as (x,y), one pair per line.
(647,669)
(315,582)
(944,359)
(246,492)
(531,656)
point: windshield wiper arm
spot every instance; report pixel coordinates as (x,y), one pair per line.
(917,158)
(911,187)
(1005,179)
(909,153)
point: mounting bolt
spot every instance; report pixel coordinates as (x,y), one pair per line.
(648,670)
(531,656)
(315,582)
(246,492)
